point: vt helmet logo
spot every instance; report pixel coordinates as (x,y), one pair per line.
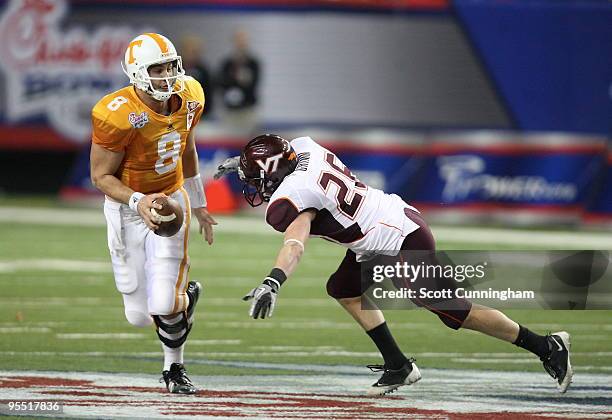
(270,161)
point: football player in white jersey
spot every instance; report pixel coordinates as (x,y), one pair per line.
(310,192)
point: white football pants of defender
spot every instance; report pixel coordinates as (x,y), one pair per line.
(150,270)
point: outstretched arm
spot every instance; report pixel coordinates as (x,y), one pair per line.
(296,236)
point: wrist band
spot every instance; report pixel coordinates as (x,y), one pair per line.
(195,191)
(277,275)
(134,199)
(295,241)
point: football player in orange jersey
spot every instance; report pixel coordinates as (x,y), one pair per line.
(143,148)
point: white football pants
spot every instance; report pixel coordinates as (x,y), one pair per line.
(151,271)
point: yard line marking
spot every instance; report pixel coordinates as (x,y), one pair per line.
(294,348)
(101,336)
(37,330)
(493,360)
(590,337)
(213,342)
(248,324)
(95,218)
(224,302)
(58,301)
(322,351)
(55,265)
(590,367)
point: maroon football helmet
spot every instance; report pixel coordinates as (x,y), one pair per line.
(264,162)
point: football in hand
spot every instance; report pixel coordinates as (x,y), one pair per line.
(170,215)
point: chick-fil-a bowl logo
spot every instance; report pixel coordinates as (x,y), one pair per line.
(54,72)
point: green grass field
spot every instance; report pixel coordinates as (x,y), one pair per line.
(57,292)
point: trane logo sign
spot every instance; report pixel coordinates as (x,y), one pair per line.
(271,163)
(464,176)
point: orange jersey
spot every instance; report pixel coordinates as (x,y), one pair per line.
(153,143)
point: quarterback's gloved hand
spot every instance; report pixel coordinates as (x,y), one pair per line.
(264,298)
(228,166)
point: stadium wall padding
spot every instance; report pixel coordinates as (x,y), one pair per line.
(502,177)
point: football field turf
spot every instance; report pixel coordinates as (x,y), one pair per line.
(59,310)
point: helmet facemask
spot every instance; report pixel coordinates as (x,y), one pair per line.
(144,81)
(254,188)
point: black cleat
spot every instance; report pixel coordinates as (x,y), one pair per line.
(177,381)
(392,379)
(557,363)
(194,290)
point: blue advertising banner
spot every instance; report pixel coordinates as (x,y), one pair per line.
(491,175)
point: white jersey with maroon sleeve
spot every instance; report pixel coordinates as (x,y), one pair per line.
(350,213)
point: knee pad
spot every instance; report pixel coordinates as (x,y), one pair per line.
(173,335)
(161,304)
(138,319)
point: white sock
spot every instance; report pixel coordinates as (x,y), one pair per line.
(172,355)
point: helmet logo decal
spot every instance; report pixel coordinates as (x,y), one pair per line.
(136,43)
(270,161)
(160,42)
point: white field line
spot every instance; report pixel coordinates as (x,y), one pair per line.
(214,342)
(188,353)
(102,336)
(590,337)
(88,266)
(322,324)
(19,330)
(222,302)
(296,348)
(314,352)
(95,218)
(519,361)
(42,327)
(589,367)
(484,236)
(55,265)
